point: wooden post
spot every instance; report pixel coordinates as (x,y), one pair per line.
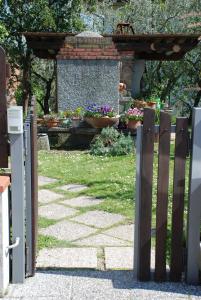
(181,149)
(162,196)
(146,194)
(3,112)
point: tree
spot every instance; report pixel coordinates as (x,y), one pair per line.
(167,80)
(19,16)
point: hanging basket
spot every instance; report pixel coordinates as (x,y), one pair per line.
(102,122)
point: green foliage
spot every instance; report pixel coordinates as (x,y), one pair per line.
(3,32)
(111,143)
(17,16)
(18,95)
(164,79)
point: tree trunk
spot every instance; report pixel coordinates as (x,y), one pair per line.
(47,97)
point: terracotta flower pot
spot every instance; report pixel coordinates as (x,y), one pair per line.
(52,123)
(133,124)
(151,104)
(40,121)
(102,122)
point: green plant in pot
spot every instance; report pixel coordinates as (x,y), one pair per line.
(76,116)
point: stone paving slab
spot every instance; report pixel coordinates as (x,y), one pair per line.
(43,180)
(46,196)
(68,258)
(119,258)
(101,240)
(82,201)
(68,231)
(99,219)
(125,232)
(73,187)
(97,285)
(56,211)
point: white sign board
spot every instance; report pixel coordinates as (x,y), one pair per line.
(15,119)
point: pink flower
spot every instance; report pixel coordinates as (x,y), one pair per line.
(134,112)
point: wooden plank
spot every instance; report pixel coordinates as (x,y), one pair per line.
(181,149)
(162,196)
(146,194)
(34,183)
(3,112)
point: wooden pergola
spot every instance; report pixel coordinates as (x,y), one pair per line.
(145,46)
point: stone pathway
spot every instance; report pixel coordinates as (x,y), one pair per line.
(42,180)
(96,239)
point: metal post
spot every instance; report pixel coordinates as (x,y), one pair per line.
(28,198)
(137,201)
(194,211)
(18,230)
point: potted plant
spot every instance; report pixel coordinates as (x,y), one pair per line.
(134,117)
(51,120)
(100,116)
(76,116)
(65,118)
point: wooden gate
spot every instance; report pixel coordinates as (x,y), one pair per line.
(144,194)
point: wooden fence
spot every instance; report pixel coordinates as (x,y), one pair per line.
(144,190)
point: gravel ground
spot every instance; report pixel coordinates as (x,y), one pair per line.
(97,285)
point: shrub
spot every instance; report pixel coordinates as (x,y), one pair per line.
(111,143)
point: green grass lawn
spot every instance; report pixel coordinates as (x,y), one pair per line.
(110,178)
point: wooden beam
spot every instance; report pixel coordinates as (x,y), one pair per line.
(45,44)
(160,56)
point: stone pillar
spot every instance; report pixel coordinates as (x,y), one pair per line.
(88,71)
(4,234)
(139,67)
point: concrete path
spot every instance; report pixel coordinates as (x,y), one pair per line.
(97,285)
(105,238)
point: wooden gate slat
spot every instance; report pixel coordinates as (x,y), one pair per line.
(146,194)
(3,112)
(181,148)
(162,196)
